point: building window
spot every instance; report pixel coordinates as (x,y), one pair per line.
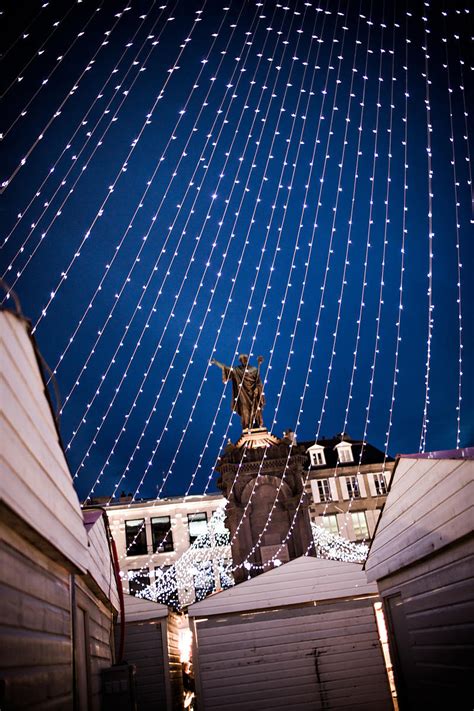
(380,484)
(324,490)
(353,487)
(329,522)
(138,580)
(135,537)
(359,524)
(197,524)
(345,454)
(161,534)
(317,457)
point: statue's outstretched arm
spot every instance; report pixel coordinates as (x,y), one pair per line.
(219,365)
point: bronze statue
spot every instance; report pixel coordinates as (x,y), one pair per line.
(248,399)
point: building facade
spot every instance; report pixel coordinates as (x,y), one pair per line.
(153,535)
(347,483)
(346,486)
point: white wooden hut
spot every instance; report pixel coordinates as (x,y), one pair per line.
(422,558)
(58,593)
(152,645)
(302,636)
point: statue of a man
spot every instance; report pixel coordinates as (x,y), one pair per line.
(248,399)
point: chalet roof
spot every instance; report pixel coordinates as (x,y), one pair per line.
(138,610)
(429,506)
(36,486)
(303,580)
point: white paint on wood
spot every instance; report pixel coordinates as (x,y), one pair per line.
(430,505)
(333,487)
(138,610)
(303,659)
(362,489)
(34,478)
(302,580)
(315,491)
(100,564)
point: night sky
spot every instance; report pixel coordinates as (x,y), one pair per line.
(203,179)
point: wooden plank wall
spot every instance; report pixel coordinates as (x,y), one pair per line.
(432,634)
(100,640)
(35,628)
(301,580)
(34,478)
(430,505)
(302,658)
(100,565)
(144,648)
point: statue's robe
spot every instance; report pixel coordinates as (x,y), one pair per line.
(247,393)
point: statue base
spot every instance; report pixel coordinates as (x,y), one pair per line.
(267,511)
(257,437)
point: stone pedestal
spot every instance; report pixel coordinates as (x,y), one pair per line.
(262,480)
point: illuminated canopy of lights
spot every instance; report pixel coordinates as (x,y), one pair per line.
(193,180)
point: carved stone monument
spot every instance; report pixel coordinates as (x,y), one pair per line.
(267,511)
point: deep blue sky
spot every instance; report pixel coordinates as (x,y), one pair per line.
(289,109)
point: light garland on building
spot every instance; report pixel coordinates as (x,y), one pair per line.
(206,565)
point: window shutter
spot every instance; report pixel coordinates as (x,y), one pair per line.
(362,489)
(333,488)
(342,481)
(370,479)
(315,491)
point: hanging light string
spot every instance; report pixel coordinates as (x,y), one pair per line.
(311,164)
(111,188)
(365,79)
(326,157)
(305,483)
(6,182)
(366,263)
(25,33)
(249,305)
(382,284)
(465,112)
(127,279)
(89,132)
(458,238)
(246,562)
(404,237)
(233,284)
(152,310)
(58,211)
(44,82)
(349,231)
(172,363)
(58,23)
(270,272)
(429,129)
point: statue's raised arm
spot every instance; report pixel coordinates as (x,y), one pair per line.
(248,399)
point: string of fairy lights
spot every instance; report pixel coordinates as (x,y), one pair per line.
(192,478)
(21,74)
(170,367)
(255,187)
(89,133)
(39,137)
(24,33)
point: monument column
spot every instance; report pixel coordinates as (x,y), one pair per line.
(267,512)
